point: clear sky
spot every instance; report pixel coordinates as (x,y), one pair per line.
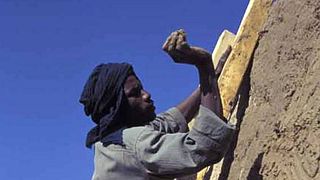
(49,47)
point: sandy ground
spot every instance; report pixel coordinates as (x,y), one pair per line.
(279,135)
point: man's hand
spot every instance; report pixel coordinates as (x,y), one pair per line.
(177,47)
(222,61)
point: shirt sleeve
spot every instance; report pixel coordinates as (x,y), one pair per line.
(172,155)
(170,121)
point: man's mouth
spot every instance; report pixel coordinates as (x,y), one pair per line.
(151,105)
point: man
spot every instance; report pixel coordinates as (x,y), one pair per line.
(131,142)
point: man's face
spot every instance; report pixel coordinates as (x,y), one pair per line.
(141,108)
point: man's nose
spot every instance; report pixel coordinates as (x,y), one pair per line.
(146,95)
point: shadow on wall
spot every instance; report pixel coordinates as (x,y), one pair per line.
(243,102)
(254,170)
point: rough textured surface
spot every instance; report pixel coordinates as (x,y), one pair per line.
(280,131)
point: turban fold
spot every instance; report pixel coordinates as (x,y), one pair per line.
(103,97)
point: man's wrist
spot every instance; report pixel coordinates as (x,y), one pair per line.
(206,70)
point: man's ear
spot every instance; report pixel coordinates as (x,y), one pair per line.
(124,100)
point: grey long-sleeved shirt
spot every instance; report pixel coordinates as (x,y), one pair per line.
(164,149)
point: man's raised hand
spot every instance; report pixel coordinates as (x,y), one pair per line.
(179,50)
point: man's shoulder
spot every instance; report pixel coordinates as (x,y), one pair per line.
(131,135)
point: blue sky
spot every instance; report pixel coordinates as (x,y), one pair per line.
(49,47)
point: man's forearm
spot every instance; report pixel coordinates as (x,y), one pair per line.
(207,95)
(190,106)
(209,91)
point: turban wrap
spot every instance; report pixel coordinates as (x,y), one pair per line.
(103,100)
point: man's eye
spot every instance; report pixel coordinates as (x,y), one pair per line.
(135,92)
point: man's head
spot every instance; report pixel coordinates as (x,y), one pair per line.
(140,108)
(114,98)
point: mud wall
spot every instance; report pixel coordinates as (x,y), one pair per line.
(279,136)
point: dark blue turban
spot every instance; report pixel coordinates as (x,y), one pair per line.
(103,100)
